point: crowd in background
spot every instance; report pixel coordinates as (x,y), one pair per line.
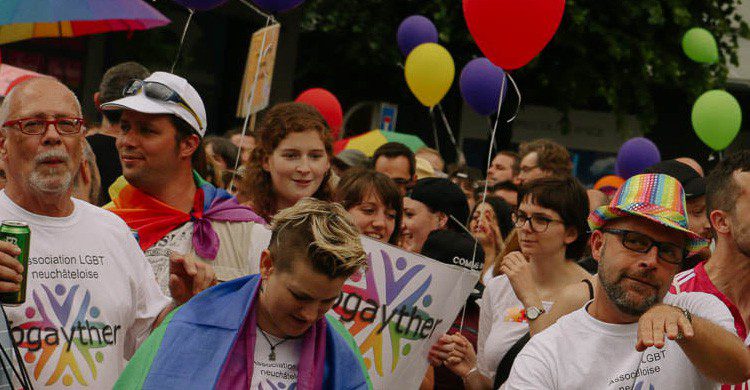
(526,225)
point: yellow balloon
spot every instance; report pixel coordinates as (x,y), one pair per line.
(429,72)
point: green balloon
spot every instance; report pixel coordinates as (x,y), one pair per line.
(717,118)
(700,46)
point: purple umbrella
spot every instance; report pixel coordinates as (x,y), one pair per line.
(414,31)
(480,84)
(635,156)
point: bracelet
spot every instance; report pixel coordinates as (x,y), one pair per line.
(468,374)
(688,315)
(685,312)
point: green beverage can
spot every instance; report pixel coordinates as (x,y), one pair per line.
(19,234)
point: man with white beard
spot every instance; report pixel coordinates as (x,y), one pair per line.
(91,297)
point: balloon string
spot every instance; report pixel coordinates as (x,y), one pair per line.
(518,92)
(434,129)
(447,125)
(489,123)
(486,183)
(459,153)
(182,40)
(261,53)
(258,11)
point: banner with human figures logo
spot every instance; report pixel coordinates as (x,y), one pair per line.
(395,309)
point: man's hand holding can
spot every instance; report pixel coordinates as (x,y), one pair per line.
(11,270)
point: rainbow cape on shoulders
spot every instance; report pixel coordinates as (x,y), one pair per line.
(206,342)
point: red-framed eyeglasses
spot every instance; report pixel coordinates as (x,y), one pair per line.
(36,126)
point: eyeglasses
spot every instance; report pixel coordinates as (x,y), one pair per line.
(528,169)
(641,243)
(538,223)
(159,91)
(36,126)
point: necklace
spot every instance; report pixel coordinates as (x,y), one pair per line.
(272,354)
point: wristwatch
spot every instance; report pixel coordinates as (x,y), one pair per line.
(533,312)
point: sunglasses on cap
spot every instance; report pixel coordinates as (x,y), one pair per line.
(161,92)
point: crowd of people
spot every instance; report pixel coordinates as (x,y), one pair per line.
(144,224)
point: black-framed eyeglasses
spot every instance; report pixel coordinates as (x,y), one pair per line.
(538,223)
(159,91)
(36,126)
(641,243)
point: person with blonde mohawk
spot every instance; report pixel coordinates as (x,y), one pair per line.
(268,330)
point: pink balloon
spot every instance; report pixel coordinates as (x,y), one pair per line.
(327,104)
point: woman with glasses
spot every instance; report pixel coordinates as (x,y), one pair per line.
(551,224)
(291,161)
(373,201)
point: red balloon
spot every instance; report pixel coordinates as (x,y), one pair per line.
(327,105)
(512,32)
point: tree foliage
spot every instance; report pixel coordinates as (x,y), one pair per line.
(607,55)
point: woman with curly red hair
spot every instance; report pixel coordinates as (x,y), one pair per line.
(291,161)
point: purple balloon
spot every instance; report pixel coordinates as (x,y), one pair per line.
(276,6)
(200,5)
(480,84)
(414,31)
(635,156)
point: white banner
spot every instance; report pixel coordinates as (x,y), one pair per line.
(396,309)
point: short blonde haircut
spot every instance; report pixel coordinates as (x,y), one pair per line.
(319,232)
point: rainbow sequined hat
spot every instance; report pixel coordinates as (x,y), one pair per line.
(656,197)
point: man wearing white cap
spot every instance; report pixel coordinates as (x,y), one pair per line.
(169,206)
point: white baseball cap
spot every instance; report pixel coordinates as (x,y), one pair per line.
(184,101)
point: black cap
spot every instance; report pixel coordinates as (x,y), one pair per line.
(454,248)
(442,195)
(692,182)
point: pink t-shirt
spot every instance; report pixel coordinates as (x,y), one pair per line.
(696,280)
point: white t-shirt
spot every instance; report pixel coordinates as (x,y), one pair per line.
(581,352)
(275,374)
(178,241)
(502,322)
(91,297)
(487,277)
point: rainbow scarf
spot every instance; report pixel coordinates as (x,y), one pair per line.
(153,219)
